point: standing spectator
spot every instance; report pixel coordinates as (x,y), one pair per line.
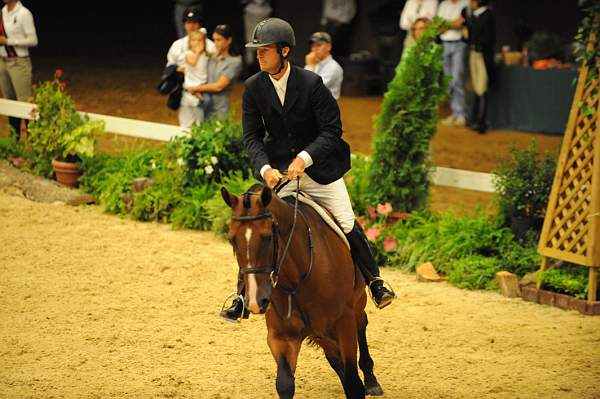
(455,58)
(181,8)
(192,21)
(254,12)
(17,34)
(336,20)
(191,110)
(482,28)
(223,70)
(416,31)
(320,61)
(412,11)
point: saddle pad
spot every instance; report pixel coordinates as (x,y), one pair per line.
(305,199)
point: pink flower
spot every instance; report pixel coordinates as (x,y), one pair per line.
(384,209)
(58,73)
(372,233)
(389,244)
(349,179)
(372,213)
(63,85)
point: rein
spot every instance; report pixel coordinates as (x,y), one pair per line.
(275,268)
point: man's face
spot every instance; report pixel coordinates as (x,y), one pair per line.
(191,26)
(321,49)
(268,58)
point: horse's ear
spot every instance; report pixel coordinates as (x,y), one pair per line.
(229,198)
(266,196)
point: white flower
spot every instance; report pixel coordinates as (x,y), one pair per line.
(214,160)
(209,169)
(153,164)
(180,162)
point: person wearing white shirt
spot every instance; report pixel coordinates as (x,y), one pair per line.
(455,58)
(191,22)
(17,35)
(320,61)
(412,11)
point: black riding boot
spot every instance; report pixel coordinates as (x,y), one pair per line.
(480,124)
(363,256)
(234,312)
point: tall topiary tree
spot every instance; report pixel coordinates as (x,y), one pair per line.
(400,167)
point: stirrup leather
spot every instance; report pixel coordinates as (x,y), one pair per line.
(383,304)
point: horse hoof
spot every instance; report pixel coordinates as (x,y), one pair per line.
(374,390)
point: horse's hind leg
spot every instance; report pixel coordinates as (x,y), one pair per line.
(347,338)
(365,362)
(285,351)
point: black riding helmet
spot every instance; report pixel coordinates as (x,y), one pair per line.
(273,31)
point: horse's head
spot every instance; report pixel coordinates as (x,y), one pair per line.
(254,237)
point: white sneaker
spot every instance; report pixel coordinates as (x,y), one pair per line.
(448,121)
(459,121)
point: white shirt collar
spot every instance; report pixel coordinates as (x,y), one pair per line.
(282,82)
(480,11)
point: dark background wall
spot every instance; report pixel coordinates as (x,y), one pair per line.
(98,30)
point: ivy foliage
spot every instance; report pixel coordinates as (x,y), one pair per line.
(401,166)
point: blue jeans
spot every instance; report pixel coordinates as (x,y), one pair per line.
(455,63)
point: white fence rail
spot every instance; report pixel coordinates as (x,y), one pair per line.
(457,178)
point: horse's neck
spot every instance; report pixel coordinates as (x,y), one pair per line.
(296,260)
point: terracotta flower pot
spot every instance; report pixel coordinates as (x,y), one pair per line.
(67,173)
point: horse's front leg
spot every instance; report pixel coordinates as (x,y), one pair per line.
(365,362)
(347,339)
(285,350)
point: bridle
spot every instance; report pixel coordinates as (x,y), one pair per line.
(275,268)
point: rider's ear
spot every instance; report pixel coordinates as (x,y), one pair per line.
(229,198)
(266,196)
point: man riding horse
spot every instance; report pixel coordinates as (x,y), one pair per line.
(301,121)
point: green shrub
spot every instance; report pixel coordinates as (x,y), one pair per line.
(107,177)
(9,147)
(358,184)
(523,183)
(473,272)
(400,166)
(157,202)
(192,212)
(211,151)
(219,212)
(567,280)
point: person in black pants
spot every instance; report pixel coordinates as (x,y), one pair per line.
(291,121)
(481,27)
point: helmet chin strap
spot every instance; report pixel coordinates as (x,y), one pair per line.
(281,60)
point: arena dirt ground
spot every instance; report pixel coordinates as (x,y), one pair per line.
(97,306)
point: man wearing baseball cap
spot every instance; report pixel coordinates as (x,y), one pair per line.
(320,61)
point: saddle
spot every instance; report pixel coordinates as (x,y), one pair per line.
(324,213)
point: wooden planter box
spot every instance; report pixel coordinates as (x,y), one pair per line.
(531,294)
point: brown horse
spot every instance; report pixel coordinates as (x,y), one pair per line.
(300,273)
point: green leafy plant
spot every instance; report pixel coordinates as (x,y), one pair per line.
(400,166)
(523,182)
(358,184)
(568,280)
(192,212)
(59,131)
(210,151)
(9,147)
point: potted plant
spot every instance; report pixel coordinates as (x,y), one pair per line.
(523,182)
(59,137)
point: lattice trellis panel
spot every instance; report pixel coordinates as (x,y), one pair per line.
(571,229)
